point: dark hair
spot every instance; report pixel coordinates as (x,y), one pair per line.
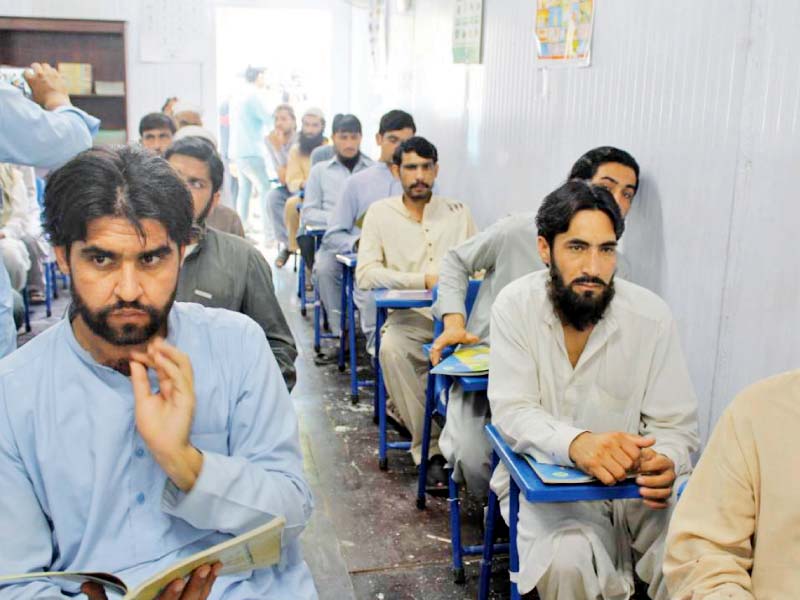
(416,144)
(118,181)
(586,166)
(395,120)
(156,120)
(201,149)
(346,124)
(559,207)
(251,73)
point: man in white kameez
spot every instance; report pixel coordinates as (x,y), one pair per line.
(587,371)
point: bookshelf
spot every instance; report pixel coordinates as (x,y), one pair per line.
(98,43)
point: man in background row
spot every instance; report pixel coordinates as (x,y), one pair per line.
(344,225)
(298,165)
(402,243)
(279,142)
(222,270)
(327,178)
(156,131)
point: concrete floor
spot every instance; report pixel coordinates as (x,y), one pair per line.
(366,539)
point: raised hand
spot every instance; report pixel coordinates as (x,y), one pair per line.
(47,86)
(608,456)
(164,419)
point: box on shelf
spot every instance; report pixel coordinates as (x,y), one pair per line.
(109,88)
(78,77)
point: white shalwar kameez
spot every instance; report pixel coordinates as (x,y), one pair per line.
(630,377)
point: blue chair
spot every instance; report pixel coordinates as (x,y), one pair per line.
(523,480)
(436,402)
(384,301)
(348,323)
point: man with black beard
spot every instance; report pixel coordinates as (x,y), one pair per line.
(223,270)
(284,200)
(587,371)
(140,431)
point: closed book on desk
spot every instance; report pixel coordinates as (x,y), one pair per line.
(256,549)
(559,474)
(407,295)
(466,361)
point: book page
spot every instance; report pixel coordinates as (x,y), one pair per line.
(72,579)
(256,549)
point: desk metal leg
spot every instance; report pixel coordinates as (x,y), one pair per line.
(343,319)
(317,320)
(513,515)
(351,330)
(380,396)
(426,441)
(492,514)
(455,530)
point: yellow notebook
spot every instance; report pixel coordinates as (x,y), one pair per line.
(256,549)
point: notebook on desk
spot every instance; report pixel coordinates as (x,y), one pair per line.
(467,361)
(407,295)
(557,474)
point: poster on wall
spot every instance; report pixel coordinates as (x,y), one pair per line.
(564,32)
(468,31)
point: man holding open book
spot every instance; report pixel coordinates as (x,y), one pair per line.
(587,371)
(140,431)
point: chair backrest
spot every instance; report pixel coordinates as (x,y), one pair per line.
(322,153)
(40,192)
(472,293)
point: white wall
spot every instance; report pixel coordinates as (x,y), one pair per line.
(149,84)
(706,95)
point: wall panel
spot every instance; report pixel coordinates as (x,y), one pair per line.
(706,95)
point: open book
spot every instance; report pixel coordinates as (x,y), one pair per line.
(256,549)
(469,360)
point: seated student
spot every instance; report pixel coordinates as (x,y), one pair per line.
(733,535)
(21,225)
(156,131)
(221,270)
(13,199)
(326,179)
(298,164)
(505,251)
(587,371)
(138,431)
(402,241)
(278,143)
(186,113)
(344,226)
(222,217)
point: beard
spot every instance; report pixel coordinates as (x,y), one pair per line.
(419,191)
(129,334)
(349,163)
(578,310)
(307,143)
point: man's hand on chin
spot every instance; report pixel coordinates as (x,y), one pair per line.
(164,419)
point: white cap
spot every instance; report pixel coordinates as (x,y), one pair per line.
(196,131)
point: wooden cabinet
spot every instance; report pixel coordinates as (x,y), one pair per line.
(98,43)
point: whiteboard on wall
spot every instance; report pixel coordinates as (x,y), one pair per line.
(172,31)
